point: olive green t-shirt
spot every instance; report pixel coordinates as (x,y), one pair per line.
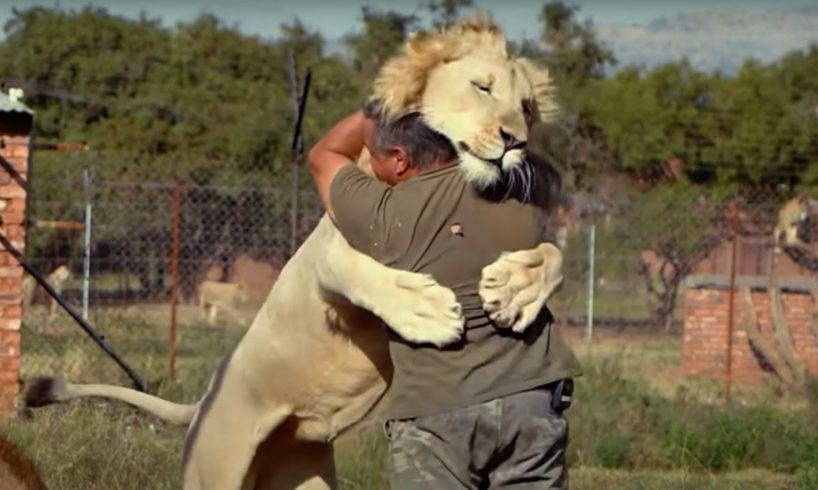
(436,223)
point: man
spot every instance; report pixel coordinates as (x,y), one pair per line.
(477,414)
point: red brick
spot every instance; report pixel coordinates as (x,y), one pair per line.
(9,325)
(10,390)
(11,271)
(8,405)
(19,150)
(16,204)
(11,284)
(10,363)
(12,190)
(10,140)
(13,229)
(7,298)
(13,311)
(9,376)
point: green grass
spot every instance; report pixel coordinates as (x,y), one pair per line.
(636,423)
(97,446)
(59,347)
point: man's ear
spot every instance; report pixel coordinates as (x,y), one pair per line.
(401,158)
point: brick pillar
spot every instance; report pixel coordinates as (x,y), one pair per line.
(15,130)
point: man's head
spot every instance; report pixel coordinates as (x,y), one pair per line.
(404,147)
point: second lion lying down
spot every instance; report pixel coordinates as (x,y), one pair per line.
(314,361)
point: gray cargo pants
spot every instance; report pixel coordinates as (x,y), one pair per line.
(517,441)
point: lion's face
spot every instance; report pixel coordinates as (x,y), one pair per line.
(484,104)
(468,88)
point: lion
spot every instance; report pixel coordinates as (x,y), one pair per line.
(17,470)
(56,279)
(796,231)
(314,361)
(225,296)
(797,223)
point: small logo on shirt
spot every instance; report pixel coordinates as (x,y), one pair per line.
(456,229)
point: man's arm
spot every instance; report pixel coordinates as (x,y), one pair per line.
(355,201)
(339,148)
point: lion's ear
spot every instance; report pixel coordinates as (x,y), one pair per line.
(544,89)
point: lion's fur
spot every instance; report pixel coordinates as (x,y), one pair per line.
(17,470)
(402,80)
(797,222)
(796,231)
(468,87)
(216,296)
(315,361)
(56,279)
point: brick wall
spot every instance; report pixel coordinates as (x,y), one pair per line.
(14,152)
(704,345)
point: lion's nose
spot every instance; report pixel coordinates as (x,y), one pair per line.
(510,142)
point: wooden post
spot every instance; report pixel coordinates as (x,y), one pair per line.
(174,286)
(728,375)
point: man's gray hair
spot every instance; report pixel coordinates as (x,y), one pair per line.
(423,145)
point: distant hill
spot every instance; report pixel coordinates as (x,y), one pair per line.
(713,40)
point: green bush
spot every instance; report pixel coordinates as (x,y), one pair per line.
(614,451)
(806,478)
(621,423)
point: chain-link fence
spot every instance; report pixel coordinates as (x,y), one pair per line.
(147,244)
(627,263)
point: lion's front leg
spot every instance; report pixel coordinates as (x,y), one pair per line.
(515,287)
(413,305)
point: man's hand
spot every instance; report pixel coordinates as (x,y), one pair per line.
(340,147)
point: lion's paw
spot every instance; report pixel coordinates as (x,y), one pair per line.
(515,287)
(422,311)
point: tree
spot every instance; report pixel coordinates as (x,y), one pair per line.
(446,11)
(726,131)
(575,54)
(577,60)
(680,224)
(384,33)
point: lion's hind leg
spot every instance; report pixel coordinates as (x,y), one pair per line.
(223,442)
(284,463)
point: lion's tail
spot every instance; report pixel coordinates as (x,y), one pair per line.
(45,391)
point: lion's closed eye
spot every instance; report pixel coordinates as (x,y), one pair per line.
(481,86)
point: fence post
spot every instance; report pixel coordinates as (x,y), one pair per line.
(86,253)
(295,159)
(589,328)
(174,279)
(728,374)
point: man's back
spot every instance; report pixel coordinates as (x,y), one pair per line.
(436,223)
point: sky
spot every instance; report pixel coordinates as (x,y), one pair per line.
(630,26)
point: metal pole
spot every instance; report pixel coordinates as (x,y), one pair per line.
(294,163)
(98,339)
(174,274)
(299,104)
(728,374)
(86,257)
(589,329)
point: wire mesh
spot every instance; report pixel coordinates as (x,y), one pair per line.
(229,235)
